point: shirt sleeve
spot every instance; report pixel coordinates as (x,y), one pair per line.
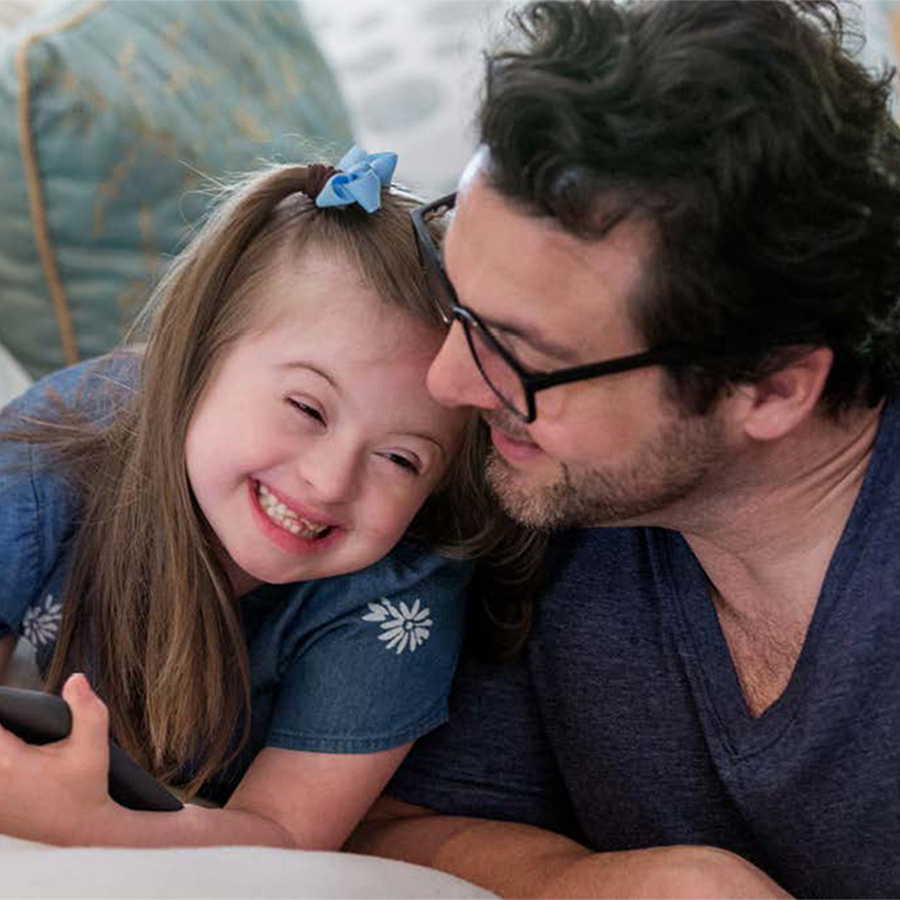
(36,513)
(492,759)
(38,506)
(377,674)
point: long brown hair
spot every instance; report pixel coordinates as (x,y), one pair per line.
(148,609)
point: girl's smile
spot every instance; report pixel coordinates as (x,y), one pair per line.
(292,530)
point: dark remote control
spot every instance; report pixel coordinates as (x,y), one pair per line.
(43,718)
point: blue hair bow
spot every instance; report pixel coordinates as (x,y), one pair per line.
(359,180)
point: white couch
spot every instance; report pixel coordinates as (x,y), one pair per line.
(35,870)
(13,378)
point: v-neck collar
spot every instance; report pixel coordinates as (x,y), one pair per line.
(702,643)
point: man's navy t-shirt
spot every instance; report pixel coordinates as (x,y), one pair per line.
(624,724)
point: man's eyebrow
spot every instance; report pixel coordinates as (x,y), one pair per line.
(531,337)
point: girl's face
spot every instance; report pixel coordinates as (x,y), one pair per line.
(316,441)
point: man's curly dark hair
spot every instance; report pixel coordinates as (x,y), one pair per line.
(762,153)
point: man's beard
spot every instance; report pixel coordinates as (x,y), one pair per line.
(667,467)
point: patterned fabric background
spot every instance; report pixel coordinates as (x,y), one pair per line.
(410,71)
(123,117)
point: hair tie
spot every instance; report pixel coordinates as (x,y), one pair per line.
(358,179)
(316,177)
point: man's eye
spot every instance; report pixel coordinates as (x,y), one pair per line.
(306,409)
(403,462)
(521,352)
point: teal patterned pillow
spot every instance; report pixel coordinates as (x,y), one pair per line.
(117,116)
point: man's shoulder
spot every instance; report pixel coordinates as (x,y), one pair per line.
(879,496)
(590,553)
(598,580)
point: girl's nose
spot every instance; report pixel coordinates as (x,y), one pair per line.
(454,378)
(333,471)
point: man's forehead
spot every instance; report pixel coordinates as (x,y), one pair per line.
(480,207)
(477,165)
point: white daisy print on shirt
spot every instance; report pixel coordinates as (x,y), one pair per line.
(40,626)
(402,628)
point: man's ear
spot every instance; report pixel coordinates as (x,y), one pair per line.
(778,403)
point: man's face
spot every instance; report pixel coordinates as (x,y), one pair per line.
(610,450)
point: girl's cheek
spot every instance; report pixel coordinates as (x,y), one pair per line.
(391,512)
(401,514)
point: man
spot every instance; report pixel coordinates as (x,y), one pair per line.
(704,198)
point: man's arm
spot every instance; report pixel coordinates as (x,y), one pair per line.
(523,861)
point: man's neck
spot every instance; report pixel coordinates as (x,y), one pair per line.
(766,543)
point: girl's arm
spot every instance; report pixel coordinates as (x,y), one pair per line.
(58,793)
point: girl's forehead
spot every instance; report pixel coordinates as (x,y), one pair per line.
(371,370)
(321,293)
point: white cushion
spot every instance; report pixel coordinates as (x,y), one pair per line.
(13,378)
(36,870)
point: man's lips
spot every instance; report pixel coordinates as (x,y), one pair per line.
(513,449)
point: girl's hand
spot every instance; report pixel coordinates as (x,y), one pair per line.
(58,793)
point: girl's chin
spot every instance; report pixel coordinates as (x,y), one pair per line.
(254,573)
(283,559)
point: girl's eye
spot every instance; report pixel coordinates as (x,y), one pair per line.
(306,409)
(404,462)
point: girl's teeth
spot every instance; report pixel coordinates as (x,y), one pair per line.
(286,517)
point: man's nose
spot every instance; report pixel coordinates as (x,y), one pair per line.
(454,378)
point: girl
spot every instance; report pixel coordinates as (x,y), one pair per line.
(229,529)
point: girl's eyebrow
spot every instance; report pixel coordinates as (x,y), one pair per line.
(429,438)
(303,364)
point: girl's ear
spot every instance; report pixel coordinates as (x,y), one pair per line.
(774,406)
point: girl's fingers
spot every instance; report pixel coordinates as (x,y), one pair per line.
(90,719)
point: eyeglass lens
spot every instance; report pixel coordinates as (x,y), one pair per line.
(441,291)
(497,372)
